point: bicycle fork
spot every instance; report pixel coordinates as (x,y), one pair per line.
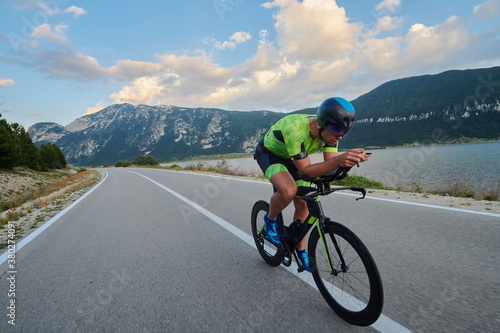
(343,266)
(317,217)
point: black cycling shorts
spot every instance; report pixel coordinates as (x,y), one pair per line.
(271,164)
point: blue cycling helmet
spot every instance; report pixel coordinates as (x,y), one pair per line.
(336,115)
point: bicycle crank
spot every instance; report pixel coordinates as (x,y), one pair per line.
(286,253)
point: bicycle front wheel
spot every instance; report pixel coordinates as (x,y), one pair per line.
(350,283)
(268,251)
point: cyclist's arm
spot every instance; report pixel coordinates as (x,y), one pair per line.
(327,155)
(347,159)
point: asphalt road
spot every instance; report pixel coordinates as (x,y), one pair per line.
(160,251)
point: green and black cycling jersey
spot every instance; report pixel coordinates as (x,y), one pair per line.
(290,138)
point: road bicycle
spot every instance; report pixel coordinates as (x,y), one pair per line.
(343,269)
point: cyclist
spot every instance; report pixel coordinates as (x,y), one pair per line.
(283,156)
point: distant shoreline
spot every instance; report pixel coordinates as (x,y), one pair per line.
(450,143)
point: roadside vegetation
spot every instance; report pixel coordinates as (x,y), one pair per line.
(18,150)
(222,157)
(222,167)
(461,189)
(31,174)
(458,189)
(139,160)
(61,180)
(48,194)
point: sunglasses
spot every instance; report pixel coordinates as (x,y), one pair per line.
(336,129)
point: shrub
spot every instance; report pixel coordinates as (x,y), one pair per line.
(122,163)
(145,160)
(175,167)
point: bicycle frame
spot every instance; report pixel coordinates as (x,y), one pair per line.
(317,217)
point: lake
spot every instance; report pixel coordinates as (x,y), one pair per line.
(431,167)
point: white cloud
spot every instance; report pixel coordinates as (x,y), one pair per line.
(144,90)
(421,46)
(317,53)
(183,80)
(313,29)
(51,8)
(55,35)
(384,23)
(389,5)
(436,43)
(237,38)
(98,107)
(67,64)
(6,82)
(487,9)
(387,23)
(76,11)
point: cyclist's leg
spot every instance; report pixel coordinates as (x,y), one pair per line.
(301,209)
(285,192)
(276,171)
(301,212)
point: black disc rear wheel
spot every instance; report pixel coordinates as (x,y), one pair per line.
(269,252)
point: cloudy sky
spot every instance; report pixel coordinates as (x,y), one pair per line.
(62,59)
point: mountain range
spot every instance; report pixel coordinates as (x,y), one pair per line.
(424,109)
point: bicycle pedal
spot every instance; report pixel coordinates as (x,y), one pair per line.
(287,261)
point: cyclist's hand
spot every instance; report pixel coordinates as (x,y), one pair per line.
(352,157)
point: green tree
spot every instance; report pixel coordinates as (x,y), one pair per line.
(51,157)
(144,160)
(29,156)
(46,156)
(10,146)
(60,157)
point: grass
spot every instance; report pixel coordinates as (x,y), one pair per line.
(360,181)
(12,215)
(21,198)
(222,157)
(41,196)
(222,167)
(460,188)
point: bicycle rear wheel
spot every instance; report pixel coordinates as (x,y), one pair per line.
(354,290)
(269,252)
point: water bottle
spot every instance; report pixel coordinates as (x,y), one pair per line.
(292,229)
